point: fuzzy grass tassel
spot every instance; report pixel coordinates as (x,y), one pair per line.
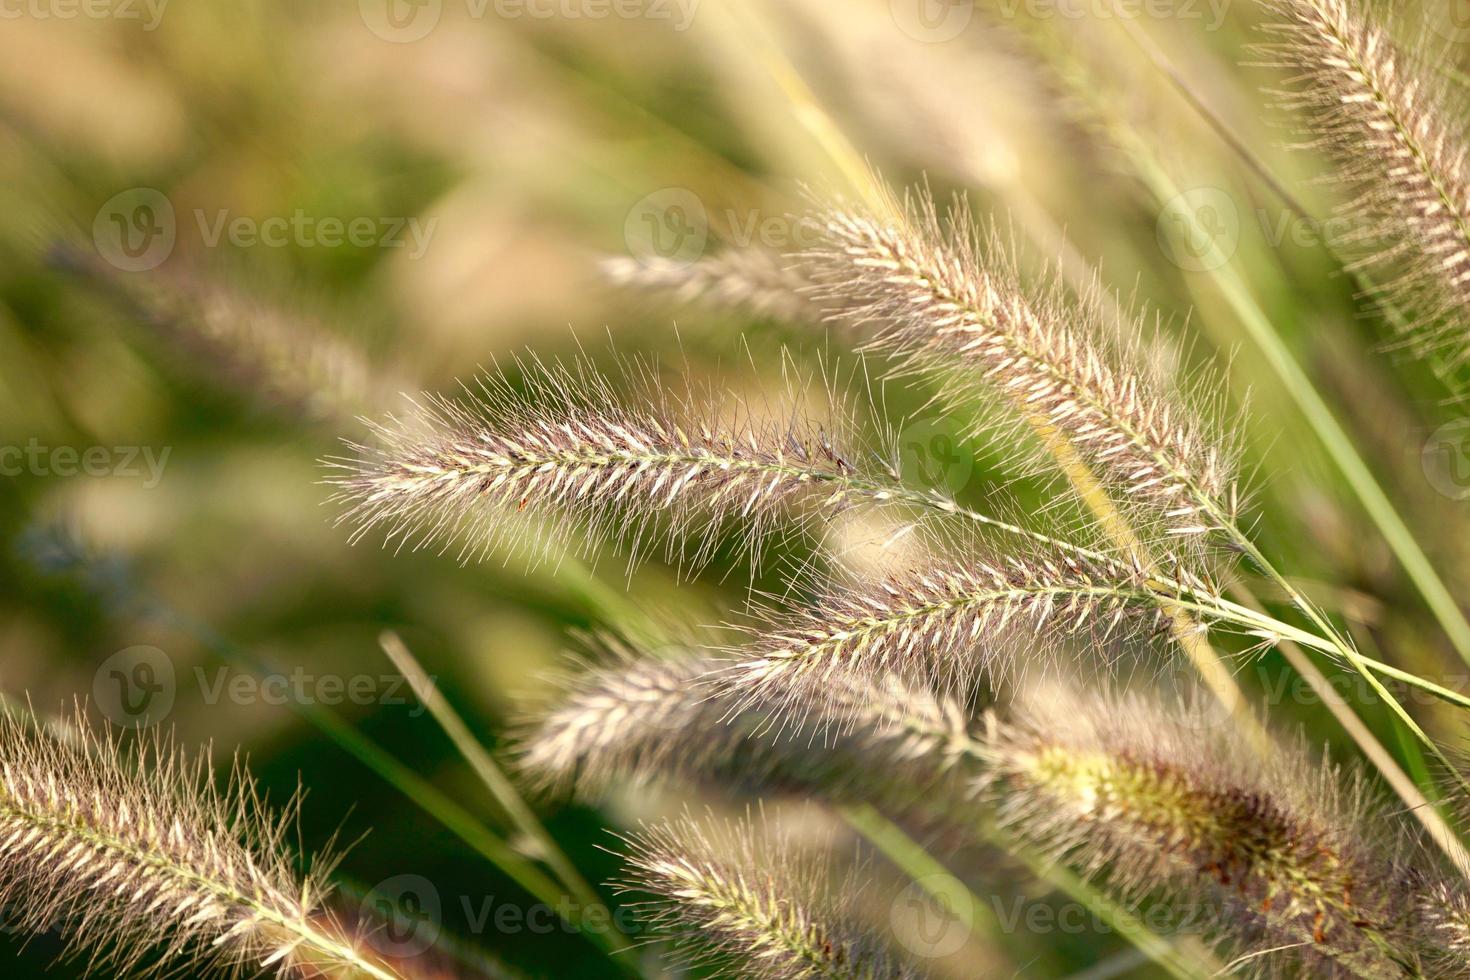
(752,905)
(1388,124)
(144,863)
(1283,857)
(938,290)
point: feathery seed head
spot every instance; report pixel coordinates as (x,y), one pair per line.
(753,279)
(144,862)
(264,352)
(942,293)
(631,719)
(1398,146)
(650,719)
(752,904)
(1277,853)
(1445,910)
(946,624)
(460,471)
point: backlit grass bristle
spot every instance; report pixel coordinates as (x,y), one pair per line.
(1445,911)
(145,863)
(939,289)
(628,719)
(751,905)
(1398,144)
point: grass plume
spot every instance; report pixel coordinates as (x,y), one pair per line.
(142,859)
(947,623)
(938,289)
(227,335)
(1285,855)
(1386,120)
(564,448)
(754,280)
(1445,910)
(640,718)
(752,905)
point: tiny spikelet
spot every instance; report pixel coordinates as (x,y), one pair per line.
(460,471)
(752,280)
(144,862)
(1389,127)
(939,291)
(1278,855)
(948,624)
(752,904)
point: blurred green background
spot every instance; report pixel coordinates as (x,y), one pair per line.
(226,230)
